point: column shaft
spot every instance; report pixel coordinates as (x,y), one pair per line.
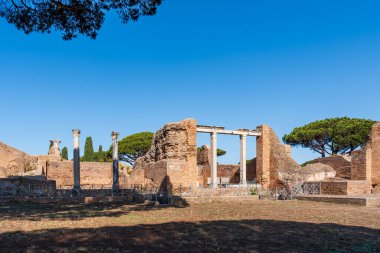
(243,160)
(214,165)
(115,161)
(76,159)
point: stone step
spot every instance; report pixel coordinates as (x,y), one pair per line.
(366,200)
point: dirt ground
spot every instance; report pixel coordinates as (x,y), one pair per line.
(262,226)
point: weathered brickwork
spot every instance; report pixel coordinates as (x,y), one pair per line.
(91,173)
(33,183)
(272,157)
(361,164)
(346,187)
(375,155)
(172,159)
(341,164)
(263,156)
(14,161)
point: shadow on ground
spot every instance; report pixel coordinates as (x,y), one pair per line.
(74,211)
(210,236)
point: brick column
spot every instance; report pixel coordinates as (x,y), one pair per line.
(375,144)
(263,156)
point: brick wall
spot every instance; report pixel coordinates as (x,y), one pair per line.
(263,156)
(231,171)
(272,156)
(91,173)
(340,164)
(361,164)
(14,161)
(375,154)
(346,187)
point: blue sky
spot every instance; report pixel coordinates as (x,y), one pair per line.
(236,64)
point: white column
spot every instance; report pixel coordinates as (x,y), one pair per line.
(115,161)
(214,166)
(243,159)
(76,161)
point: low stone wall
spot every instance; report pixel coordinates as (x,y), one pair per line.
(231,171)
(214,199)
(91,173)
(30,184)
(204,192)
(346,187)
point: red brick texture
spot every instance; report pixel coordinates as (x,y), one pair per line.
(91,173)
(271,156)
(172,159)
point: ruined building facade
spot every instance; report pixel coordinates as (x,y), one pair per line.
(173,161)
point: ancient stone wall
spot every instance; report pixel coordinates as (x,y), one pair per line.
(346,187)
(172,159)
(272,157)
(251,170)
(361,164)
(375,155)
(341,164)
(91,173)
(14,161)
(35,184)
(204,155)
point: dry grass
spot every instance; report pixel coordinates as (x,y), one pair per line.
(263,226)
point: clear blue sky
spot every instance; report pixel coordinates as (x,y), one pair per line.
(237,64)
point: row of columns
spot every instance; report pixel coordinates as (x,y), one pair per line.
(76,160)
(243,159)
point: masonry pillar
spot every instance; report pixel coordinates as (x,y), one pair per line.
(76,159)
(214,165)
(115,161)
(263,156)
(243,159)
(375,163)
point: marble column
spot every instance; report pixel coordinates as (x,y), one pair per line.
(76,159)
(115,161)
(214,165)
(243,159)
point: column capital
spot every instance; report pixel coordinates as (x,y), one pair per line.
(55,141)
(243,136)
(115,135)
(76,132)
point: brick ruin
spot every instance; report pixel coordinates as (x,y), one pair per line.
(15,163)
(173,161)
(358,173)
(172,158)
